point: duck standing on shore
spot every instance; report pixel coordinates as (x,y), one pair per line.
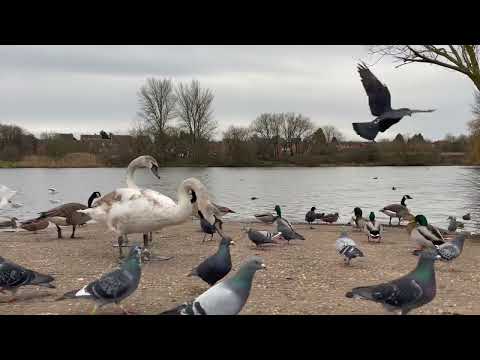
(330,218)
(34,225)
(374,229)
(358,222)
(421,235)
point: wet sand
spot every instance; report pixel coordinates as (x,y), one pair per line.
(305,277)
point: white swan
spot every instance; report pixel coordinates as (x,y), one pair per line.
(130,211)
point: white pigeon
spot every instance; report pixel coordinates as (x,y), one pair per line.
(347,247)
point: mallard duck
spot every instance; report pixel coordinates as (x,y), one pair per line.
(374,229)
(221,211)
(358,222)
(269,218)
(310,216)
(34,225)
(68,215)
(399,211)
(423,236)
(132,211)
(454,224)
(330,218)
(8,222)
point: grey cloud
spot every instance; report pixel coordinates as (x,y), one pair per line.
(87,88)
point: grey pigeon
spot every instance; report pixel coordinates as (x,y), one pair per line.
(406,293)
(347,247)
(225,298)
(288,233)
(215,267)
(208,228)
(260,238)
(114,286)
(13,276)
(451,249)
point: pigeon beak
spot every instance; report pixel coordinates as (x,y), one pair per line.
(263,267)
(231,211)
(232,242)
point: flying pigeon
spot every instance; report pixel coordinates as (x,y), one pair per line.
(215,267)
(380,106)
(225,298)
(114,286)
(260,238)
(13,276)
(406,293)
(347,247)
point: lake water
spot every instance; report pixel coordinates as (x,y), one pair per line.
(437,192)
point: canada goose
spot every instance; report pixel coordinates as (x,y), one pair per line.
(399,211)
(68,215)
(132,211)
(34,225)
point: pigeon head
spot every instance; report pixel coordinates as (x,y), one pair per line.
(255,263)
(226,241)
(135,253)
(421,220)
(313,208)
(372,216)
(429,254)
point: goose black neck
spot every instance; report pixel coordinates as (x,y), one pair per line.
(403,201)
(91,198)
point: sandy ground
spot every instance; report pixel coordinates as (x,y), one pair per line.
(305,277)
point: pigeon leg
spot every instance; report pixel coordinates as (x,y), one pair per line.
(94,310)
(204,238)
(59,231)
(120,244)
(125,311)
(390,223)
(399,220)
(145,240)
(73,232)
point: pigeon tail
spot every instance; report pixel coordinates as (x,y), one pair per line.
(300,236)
(42,280)
(361,292)
(366,130)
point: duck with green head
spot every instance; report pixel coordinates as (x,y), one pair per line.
(374,228)
(423,234)
(269,218)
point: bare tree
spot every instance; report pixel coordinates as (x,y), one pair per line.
(331,132)
(295,129)
(461,58)
(267,128)
(157,104)
(194,109)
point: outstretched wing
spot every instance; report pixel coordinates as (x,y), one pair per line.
(378,94)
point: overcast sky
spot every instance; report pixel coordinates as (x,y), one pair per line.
(84,89)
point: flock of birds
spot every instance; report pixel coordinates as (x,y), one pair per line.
(132,210)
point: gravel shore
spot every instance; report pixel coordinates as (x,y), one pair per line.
(305,277)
